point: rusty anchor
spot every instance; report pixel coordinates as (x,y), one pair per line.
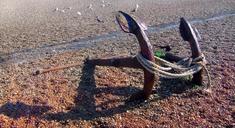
(188,34)
(130,25)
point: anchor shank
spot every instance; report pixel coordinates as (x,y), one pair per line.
(130,62)
(147,52)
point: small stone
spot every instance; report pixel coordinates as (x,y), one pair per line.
(181,113)
(99,19)
(63,11)
(136,8)
(214,47)
(57,9)
(79,13)
(90,6)
(36,72)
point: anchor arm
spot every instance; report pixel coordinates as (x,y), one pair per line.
(189,35)
(129,25)
(147,52)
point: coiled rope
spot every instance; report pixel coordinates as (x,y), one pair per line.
(185,67)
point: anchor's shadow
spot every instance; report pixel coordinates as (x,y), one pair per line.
(86,107)
(169,87)
(20,109)
(85,104)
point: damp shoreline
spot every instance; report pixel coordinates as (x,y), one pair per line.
(77,44)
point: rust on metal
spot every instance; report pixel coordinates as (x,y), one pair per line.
(145,47)
(42,71)
(129,25)
(189,35)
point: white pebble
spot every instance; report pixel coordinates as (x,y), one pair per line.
(90,6)
(99,19)
(103,5)
(57,9)
(63,11)
(136,7)
(79,13)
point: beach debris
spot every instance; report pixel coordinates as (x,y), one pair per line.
(103,4)
(136,8)
(59,10)
(56,9)
(63,11)
(42,71)
(99,19)
(79,13)
(90,7)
